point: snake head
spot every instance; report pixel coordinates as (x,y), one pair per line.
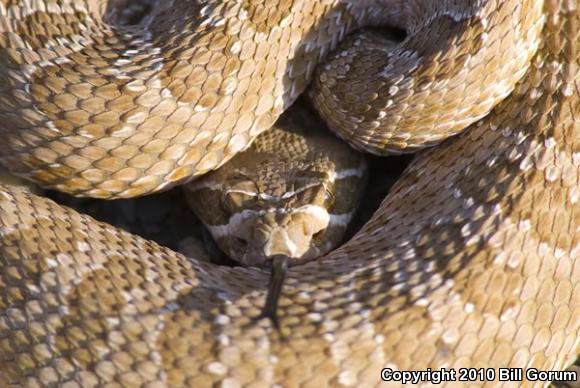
(292,193)
(290,213)
(295,225)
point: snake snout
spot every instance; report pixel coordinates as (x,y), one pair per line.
(279,232)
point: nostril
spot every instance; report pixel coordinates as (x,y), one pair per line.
(243,243)
(314,230)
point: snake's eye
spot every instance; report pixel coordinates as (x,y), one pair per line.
(236,200)
(328,197)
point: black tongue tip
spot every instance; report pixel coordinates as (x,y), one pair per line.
(277,276)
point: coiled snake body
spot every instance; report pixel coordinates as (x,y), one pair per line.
(472,260)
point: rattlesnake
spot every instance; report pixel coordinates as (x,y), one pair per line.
(471,261)
(293,193)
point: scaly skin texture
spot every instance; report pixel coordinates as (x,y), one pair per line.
(293,193)
(472,260)
(95,108)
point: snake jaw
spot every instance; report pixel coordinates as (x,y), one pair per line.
(285,233)
(290,232)
(280,243)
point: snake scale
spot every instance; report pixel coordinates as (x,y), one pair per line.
(292,193)
(473,259)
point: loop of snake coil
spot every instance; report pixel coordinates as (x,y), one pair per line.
(472,260)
